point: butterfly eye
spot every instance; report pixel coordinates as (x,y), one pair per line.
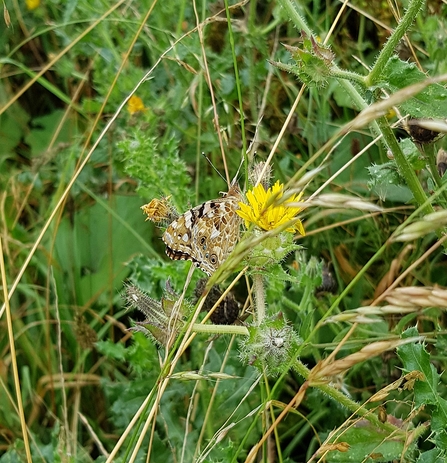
(213,259)
(202,241)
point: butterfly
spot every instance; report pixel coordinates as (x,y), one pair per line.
(206,234)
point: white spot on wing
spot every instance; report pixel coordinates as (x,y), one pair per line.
(214,233)
(167,238)
(187,217)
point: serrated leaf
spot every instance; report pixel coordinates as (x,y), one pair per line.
(432,456)
(412,153)
(415,357)
(386,182)
(439,420)
(367,440)
(441,440)
(429,103)
(386,173)
(385,176)
(274,272)
(410,333)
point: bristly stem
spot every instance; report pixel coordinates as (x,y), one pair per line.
(295,17)
(259,293)
(414,8)
(344,400)
(404,165)
(220,329)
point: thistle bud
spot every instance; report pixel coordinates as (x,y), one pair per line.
(270,346)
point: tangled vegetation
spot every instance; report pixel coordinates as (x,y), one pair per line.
(321,335)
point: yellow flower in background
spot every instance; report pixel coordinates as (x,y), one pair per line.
(263,211)
(32,4)
(135,104)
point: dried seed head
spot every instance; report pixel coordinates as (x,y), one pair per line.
(325,370)
(441,161)
(226,312)
(257,170)
(419,229)
(346,201)
(85,334)
(422,130)
(416,296)
(160,211)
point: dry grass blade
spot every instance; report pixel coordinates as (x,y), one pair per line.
(323,371)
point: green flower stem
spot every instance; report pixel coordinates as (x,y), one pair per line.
(334,72)
(295,17)
(404,166)
(259,293)
(220,329)
(338,73)
(359,102)
(387,51)
(342,399)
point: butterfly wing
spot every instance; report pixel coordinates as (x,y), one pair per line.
(205,234)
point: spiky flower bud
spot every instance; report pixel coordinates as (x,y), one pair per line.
(271,346)
(271,250)
(161,323)
(313,61)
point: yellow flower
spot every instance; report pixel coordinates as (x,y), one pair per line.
(264,211)
(135,104)
(32,4)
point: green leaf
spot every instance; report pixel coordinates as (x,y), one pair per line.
(386,182)
(111,349)
(432,456)
(441,439)
(366,440)
(415,357)
(430,103)
(384,178)
(160,171)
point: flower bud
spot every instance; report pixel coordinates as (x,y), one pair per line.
(270,346)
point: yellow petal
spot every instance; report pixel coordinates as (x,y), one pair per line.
(299,228)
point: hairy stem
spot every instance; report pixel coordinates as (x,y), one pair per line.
(259,292)
(414,8)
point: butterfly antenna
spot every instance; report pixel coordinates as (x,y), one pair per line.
(214,167)
(234,181)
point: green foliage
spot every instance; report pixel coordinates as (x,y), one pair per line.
(385,179)
(429,103)
(363,440)
(66,68)
(416,358)
(158,171)
(270,346)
